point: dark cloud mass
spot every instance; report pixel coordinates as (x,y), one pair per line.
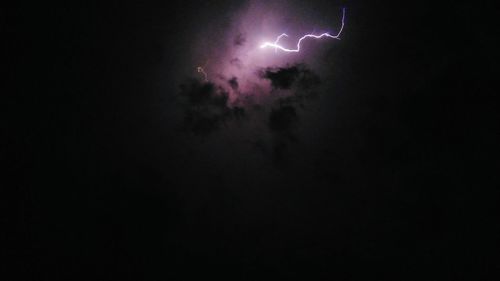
(239,39)
(282,123)
(281,78)
(285,77)
(300,82)
(283,119)
(233,82)
(206,107)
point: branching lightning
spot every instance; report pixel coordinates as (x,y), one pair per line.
(276,46)
(277,40)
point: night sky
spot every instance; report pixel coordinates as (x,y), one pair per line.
(373,157)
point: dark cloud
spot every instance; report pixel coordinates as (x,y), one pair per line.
(233,82)
(206,107)
(307,79)
(282,122)
(281,78)
(284,118)
(238,112)
(298,75)
(239,39)
(236,62)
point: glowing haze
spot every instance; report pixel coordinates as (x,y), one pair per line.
(233,42)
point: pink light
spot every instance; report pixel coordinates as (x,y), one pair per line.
(277,40)
(276,46)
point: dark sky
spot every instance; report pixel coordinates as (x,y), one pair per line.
(374,157)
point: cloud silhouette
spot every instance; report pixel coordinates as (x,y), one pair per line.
(233,82)
(283,120)
(296,76)
(206,107)
(239,39)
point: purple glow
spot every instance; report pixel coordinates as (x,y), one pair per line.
(256,22)
(276,46)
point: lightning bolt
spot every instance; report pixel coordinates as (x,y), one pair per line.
(277,40)
(276,46)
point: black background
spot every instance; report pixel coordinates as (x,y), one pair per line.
(403,185)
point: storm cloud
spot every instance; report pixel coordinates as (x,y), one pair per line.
(206,107)
(298,75)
